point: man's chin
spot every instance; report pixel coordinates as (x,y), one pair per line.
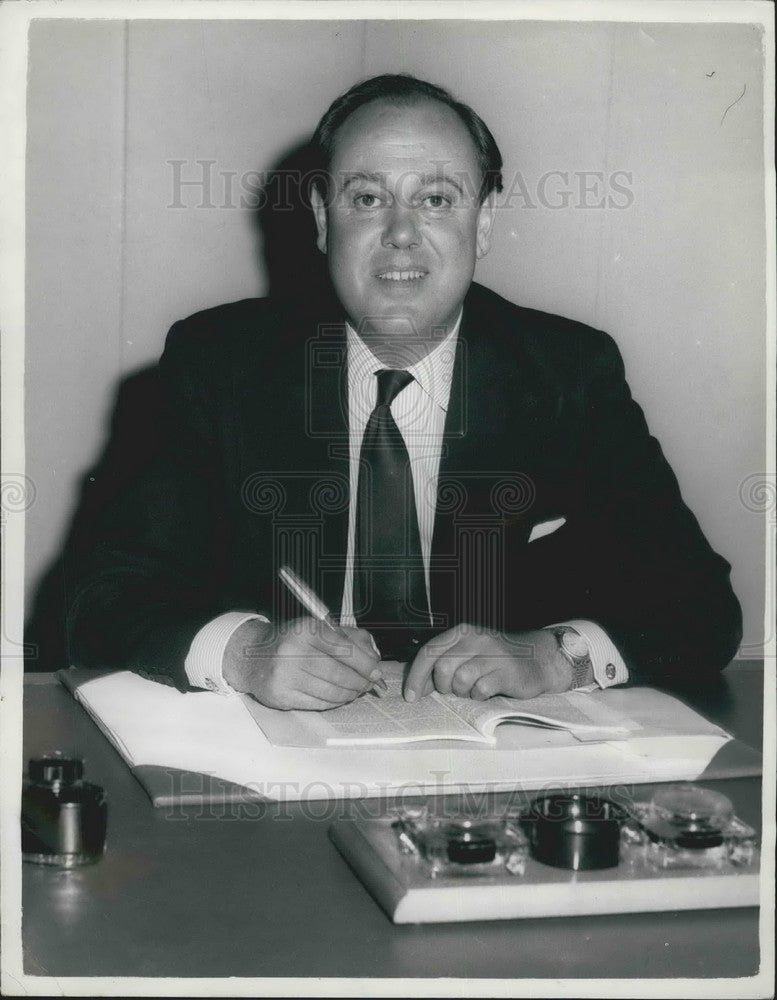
(401,341)
(408,321)
(400,327)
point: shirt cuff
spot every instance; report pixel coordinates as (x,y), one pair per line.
(205,660)
(607,662)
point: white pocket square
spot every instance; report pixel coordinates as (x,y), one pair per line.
(546,528)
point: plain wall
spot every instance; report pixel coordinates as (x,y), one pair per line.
(115,253)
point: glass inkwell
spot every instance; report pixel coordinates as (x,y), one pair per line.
(687,826)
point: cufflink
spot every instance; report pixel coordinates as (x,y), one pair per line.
(609,671)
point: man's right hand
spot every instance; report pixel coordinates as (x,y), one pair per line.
(300,664)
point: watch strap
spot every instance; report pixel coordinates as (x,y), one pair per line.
(582,667)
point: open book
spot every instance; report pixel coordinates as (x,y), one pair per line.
(203,747)
(376,721)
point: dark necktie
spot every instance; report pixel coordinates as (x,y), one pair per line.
(389,585)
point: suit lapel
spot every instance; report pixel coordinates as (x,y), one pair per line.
(294,401)
(466,463)
(490,485)
(326,433)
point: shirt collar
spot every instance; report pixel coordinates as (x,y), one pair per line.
(433,373)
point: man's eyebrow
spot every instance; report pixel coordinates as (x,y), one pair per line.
(440,178)
(360,175)
(378,178)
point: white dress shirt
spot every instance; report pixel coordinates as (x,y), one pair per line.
(419,412)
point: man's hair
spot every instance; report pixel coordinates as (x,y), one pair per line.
(402,88)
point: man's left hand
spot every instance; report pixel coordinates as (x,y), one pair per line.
(478,663)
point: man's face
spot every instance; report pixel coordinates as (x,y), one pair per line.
(405,224)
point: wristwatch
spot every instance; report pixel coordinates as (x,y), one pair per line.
(574,648)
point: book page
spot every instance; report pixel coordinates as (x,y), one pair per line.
(573,710)
(390,719)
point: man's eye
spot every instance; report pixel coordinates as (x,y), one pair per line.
(366,200)
(436,201)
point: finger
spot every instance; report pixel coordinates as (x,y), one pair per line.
(513,681)
(419,678)
(447,664)
(302,692)
(302,701)
(354,648)
(363,639)
(487,685)
(335,674)
(470,641)
(310,636)
(366,642)
(324,690)
(446,668)
(468,673)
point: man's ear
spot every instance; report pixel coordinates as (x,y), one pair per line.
(319,211)
(485,224)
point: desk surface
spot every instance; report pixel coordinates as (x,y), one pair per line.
(260,891)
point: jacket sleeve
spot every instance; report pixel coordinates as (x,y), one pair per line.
(149,578)
(632,556)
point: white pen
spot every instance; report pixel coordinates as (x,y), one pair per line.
(312,603)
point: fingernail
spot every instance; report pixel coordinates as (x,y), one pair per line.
(376,675)
(410,696)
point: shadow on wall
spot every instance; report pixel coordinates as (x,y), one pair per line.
(285,237)
(286,229)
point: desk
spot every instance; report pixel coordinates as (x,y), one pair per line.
(205,892)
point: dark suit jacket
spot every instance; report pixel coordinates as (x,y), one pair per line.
(254,473)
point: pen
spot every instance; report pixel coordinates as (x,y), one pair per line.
(312,603)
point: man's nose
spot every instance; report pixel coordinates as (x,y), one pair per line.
(401,228)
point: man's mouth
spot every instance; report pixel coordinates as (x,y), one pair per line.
(401,275)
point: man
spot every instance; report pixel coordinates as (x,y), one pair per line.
(468,484)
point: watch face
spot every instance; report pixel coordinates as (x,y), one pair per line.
(574,644)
